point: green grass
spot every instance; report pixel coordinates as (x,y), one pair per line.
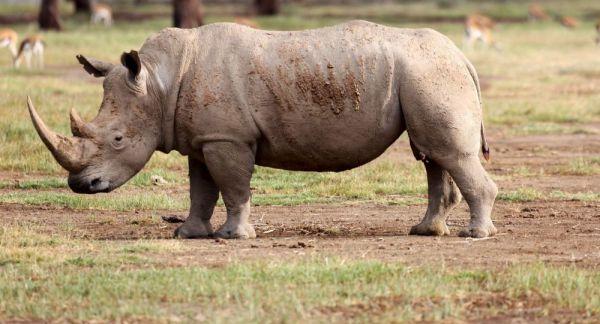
(178,200)
(48,277)
(520,195)
(381,181)
(116,202)
(532,194)
(581,167)
(45,183)
(577,166)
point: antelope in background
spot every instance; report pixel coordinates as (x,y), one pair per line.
(32,48)
(10,39)
(537,12)
(101,13)
(479,28)
(568,21)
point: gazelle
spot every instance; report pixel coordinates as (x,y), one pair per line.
(101,13)
(10,39)
(31,48)
(537,12)
(568,21)
(478,28)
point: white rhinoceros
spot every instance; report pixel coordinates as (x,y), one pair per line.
(330,99)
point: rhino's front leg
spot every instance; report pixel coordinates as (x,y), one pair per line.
(203,196)
(230,165)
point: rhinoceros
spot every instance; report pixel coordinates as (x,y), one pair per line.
(230,97)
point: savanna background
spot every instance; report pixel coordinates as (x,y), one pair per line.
(330,246)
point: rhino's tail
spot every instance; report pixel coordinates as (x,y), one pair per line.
(484,145)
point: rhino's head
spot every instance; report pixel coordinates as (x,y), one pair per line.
(106,152)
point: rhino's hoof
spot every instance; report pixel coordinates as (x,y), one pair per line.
(478,232)
(430,229)
(185,232)
(240,232)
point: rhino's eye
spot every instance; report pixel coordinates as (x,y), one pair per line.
(118,142)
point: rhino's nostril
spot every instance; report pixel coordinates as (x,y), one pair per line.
(95,182)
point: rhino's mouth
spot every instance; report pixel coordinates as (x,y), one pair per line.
(87,186)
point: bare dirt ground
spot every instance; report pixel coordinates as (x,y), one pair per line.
(549,230)
(552,231)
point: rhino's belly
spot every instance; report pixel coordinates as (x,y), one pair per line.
(334,145)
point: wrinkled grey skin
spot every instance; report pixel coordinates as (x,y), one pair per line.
(230,97)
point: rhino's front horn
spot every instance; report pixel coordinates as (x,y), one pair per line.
(68,152)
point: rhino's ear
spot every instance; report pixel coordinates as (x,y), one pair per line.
(95,67)
(132,62)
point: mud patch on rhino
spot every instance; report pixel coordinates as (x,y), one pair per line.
(299,82)
(352,90)
(208,98)
(327,91)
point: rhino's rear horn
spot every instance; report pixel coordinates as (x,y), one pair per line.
(67,151)
(79,127)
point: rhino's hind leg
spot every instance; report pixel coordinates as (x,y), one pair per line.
(479,191)
(443,196)
(203,195)
(231,165)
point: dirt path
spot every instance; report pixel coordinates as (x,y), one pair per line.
(551,231)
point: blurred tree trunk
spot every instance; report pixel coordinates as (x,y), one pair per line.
(82,6)
(187,13)
(49,17)
(267,7)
